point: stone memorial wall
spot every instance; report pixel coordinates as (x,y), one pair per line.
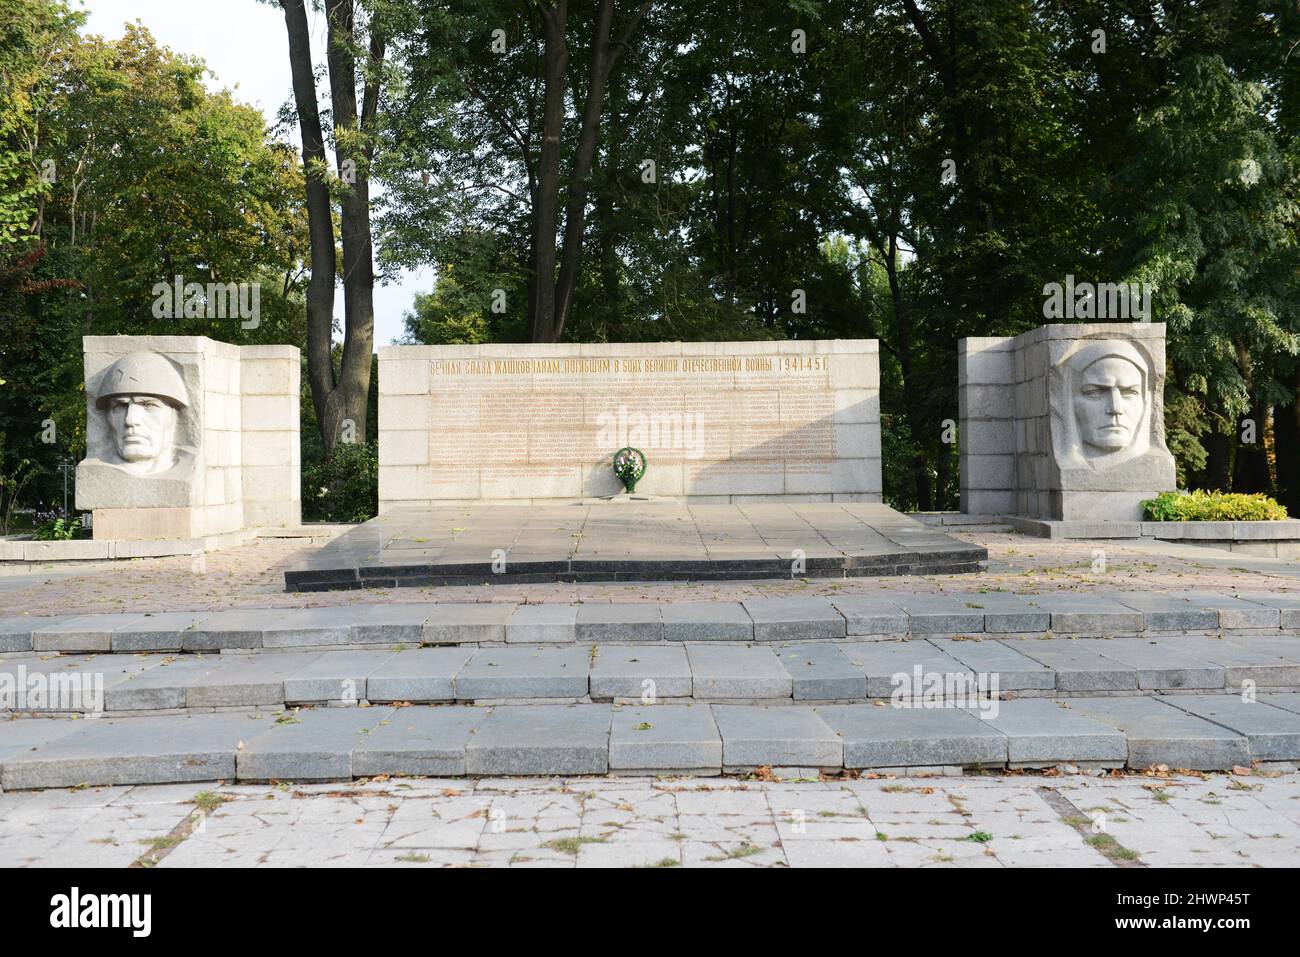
(717,421)
(187,437)
(1065,422)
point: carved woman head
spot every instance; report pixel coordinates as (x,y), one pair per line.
(1108,403)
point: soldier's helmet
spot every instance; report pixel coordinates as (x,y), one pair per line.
(143,373)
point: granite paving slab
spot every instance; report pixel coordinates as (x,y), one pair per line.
(16,633)
(23,734)
(1089,615)
(1013,670)
(455,623)
(66,683)
(1076,667)
(418,741)
(418,674)
(706,621)
(647,672)
(907,669)
(334,676)
(541,739)
(308,627)
(891,737)
(525,672)
(155,632)
(871,615)
(666,737)
(794,619)
(1005,613)
(737,671)
(1040,732)
(776,736)
(390,624)
(1272,733)
(1159,733)
(538,624)
(1162,611)
(231,629)
(311,744)
(160,688)
(628,541)
(1239,661)
(940,614)
(247,681)
(168,749)
(619,622)
(1288,606)
(1287,700)
(84,633)
(1158,666)
(821,672)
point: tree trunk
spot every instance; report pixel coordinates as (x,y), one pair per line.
(320,287)
(546,210)
(1286,446)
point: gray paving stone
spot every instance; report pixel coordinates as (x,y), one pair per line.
(737,671)
(794,619)
(66,683)
(821,672)
(706,621)
(666,737)
(1273,734)
(235,629)
(621,671)
(1089,615)
(780,735)
(1162,611)
(871,615)
(160,632)
(334,676)
(619,622)
(537,624)
(1236,613)
(1158,667)
(1240,662)
(418,741)
(1286,647)
(891,667)
(1288,606)
(459,623)
(308,627)
(1040,732)
(390,624)
(313,744)
(940,614)
(889,737)
(247,681)
(163,687)
(1005,613)
(1014,671)
(545,672)
(418,674)
(541,739)
(1159,733)
(84,633)
(1076,667)
(1287,700)
(16,633)
(168,749)
(23,734)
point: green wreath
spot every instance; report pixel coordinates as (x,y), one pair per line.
(629,465)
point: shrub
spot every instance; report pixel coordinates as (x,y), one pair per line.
(57,526)
(344,487)
(1199,506)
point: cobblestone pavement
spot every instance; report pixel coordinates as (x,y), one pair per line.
(1065,820)
(253,575)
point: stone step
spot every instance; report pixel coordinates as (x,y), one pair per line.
(885,614)
(1197,732)
(846,670)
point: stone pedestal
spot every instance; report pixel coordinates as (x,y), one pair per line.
(187,437)
(1065,422)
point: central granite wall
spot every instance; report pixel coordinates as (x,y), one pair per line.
(718,421)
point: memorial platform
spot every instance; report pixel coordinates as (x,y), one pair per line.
(626,539)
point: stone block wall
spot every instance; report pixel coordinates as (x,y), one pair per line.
(237,439)
(1020,450)
(718,421)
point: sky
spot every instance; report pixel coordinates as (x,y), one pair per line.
(244,45)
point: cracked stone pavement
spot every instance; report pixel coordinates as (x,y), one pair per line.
(1212,820)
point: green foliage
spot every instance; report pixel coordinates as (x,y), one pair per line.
(1199,506)
(57,527)
(344,487)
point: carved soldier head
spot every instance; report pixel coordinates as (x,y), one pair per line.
(142,395)
(1108,393)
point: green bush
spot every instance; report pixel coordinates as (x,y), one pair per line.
(343,488)
(1199,506)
